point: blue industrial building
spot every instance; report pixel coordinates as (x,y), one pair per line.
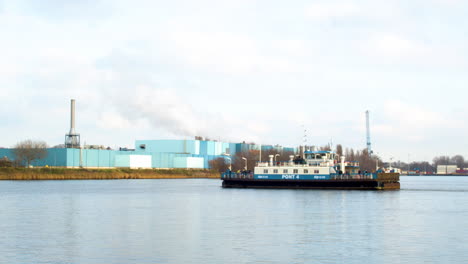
(72,157)
(182,153)
(164,154)
(195,153)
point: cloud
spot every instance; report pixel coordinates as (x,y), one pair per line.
(413,115)
(393,46)
(353,11)
(230,53)
(447,2)
(165,110)
(326,11)
(235,69)
(220,51)
(62,10)
(412,122)
(406,52)
(112,120)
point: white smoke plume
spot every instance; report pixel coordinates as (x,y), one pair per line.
(165,110)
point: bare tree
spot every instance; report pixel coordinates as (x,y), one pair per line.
(366,162)
(421,166)
(219,164)
(285,156)
(5,162)
(278,156)
(325,148)
(349,153)
(339,150)
(28,151)
(459,160)
(251,156)
(441,160)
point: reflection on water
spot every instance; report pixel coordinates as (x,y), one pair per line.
(196,221)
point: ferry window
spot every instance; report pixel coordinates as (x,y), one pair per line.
(316,171)
(295,171)
(306,171)
(275,171)
(265,171)
(285,171)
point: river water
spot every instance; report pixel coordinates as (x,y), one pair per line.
(196,221)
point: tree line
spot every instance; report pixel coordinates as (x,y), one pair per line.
(424,166)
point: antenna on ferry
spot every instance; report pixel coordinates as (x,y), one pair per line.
(369,149)
(260,157)
(304,141)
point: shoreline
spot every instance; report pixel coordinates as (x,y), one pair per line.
(27,174)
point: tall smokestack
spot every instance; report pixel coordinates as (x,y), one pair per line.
(72,139)
(72,117)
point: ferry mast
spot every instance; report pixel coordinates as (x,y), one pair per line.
(369,149)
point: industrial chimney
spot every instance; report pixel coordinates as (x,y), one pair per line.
(72,139)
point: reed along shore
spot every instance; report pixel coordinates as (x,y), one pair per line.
(103,174)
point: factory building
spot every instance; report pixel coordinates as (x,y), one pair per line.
(133,161)
(74,158)
(147,154)
(195,153)
(182,153)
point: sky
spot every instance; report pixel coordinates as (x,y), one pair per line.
(257,71)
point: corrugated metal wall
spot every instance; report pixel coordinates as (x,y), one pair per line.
(61,157)
(55,157)
(91,158)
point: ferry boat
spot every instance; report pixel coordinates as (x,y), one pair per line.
(318,170)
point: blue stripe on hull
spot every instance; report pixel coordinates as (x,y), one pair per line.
(292,177)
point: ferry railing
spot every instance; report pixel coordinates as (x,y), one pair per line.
(320,163)
(237,175)
(363,176)
(352,163)
(292,164)
(277,164)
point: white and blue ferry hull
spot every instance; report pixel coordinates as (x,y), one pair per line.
(293,176)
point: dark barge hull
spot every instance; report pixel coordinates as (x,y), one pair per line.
(383,182)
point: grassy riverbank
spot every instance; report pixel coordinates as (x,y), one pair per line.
(102,174)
